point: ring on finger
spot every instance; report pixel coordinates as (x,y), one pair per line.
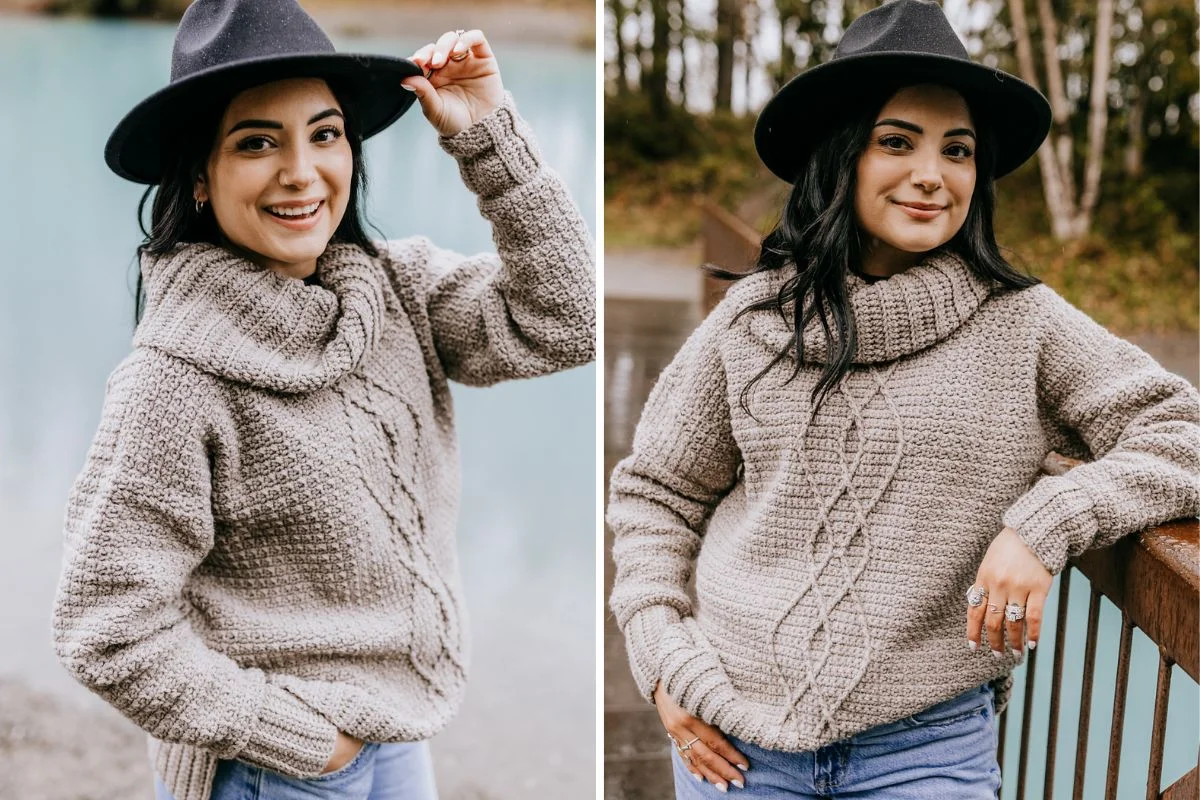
(994,608)
(688,745)
(463,55)
(1014,612)
(975,596)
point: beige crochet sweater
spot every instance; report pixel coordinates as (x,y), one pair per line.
(832,552)
(260,549)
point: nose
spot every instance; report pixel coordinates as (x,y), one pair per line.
(298,170)
(927,173)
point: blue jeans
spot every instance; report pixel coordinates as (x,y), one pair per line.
(947,750)
(400,771)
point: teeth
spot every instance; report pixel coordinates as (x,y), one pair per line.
(295,212)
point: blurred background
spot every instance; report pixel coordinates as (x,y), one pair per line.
(684,80)
(527,530)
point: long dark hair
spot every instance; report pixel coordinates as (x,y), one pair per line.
(819,234)
(173,215)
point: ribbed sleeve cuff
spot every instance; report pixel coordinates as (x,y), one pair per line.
(663,645)
(289,737)
(1052,517)
(496,153)
(644,634)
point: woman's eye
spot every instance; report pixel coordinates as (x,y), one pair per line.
(330,134)
(893,142)
(959,151)
(254,144)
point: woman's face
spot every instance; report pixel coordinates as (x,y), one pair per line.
(917,174)
(278,178)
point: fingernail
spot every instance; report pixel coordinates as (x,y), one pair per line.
(437,59)
(1033,644)
(743,767)
(699,778)
(721,787)
(1017,650)
(972,645)
(458,48)
(407,88)
(738,784)
(996,653)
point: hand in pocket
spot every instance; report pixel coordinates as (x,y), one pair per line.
(344,751)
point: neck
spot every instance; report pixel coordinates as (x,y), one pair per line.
(883,261)
(299,270)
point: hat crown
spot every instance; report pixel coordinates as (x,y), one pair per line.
(216,32)
(902,26)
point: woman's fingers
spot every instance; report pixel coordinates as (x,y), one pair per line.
(442,48)
(994,622)
(478,45)
(1033,616)
(705,755)
(975,620)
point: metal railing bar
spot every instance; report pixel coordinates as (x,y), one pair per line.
(1026,715)
(1118,719)
(1085,693)
(1158,733)
(1060,648)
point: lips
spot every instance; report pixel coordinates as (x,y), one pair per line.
(296,217)
(920,210)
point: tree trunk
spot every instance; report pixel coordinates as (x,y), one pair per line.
(1097,114)
(617,8)
(682,34)
(660,45)
(1136,145)
(1057,202)
(726,32)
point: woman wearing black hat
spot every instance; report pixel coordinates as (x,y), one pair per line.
(842,452)
(259,564)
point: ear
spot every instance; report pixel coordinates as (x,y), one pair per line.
(200,190)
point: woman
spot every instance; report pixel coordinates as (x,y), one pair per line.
(259,566)
(843,450)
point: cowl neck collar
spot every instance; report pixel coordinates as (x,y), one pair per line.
(896,317)
(237,320)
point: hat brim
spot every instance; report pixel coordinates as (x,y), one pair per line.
(139,145)
(794,120)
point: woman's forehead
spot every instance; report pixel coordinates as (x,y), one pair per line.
(928,101)
(282,100)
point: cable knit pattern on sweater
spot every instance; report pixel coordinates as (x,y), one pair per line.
(259,551)
(832,550)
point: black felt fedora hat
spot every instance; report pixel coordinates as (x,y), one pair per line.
(224,46)
(898,44)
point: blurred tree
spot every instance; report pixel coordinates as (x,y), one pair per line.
(728,31)
(1070,215)
(617,14)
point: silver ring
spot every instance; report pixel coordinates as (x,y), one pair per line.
(688,745)
(975,596)
(1014,612)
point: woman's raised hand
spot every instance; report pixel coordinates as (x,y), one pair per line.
(461,83)
(707,753)
(1010,573)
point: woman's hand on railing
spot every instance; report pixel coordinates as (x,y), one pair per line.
(462,84)
(704,749)
(1011,573)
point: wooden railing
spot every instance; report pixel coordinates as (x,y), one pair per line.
(1152,578)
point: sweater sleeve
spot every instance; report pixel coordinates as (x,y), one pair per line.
(684,460)
(1141,424)
(530,308)
(139,521)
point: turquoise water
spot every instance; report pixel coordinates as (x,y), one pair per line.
(1183,709)
(527,532)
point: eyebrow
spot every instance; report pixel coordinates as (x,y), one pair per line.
(267,123)
(908,126)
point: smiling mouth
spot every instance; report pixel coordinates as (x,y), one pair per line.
(297,213)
